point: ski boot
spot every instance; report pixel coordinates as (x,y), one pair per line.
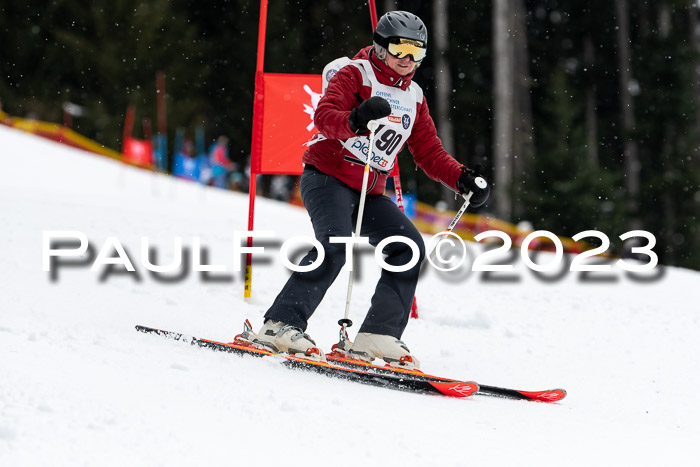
(279,337)
(368,346)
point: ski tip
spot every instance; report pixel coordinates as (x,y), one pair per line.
(459,389)
(550,395)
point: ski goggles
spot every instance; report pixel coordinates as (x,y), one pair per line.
(401,48)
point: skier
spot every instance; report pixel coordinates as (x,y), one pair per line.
(376,85)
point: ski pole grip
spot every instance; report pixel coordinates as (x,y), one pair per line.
(480,183)
(345,322)
(372,125)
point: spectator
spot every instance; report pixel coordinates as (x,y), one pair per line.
(220,163)
(185,165)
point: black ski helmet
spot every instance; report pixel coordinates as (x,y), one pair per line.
(400,24)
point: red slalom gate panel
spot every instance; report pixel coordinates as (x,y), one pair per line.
(288,110)
(138,151)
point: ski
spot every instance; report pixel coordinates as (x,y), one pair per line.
(548,395)
(341,366)
(396,381)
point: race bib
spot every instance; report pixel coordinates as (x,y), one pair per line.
(394,130)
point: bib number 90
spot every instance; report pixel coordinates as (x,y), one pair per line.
(387,141)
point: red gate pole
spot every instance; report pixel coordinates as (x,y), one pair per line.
(395,173)
(162,122)
(373,13)
(256,144)
(128,125)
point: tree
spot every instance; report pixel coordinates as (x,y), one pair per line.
(513,136)
(443,86)
(504,106)
(629,87)
(523,127)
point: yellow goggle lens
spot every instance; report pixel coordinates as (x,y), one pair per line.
(406,47)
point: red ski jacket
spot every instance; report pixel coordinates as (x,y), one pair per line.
(345,91)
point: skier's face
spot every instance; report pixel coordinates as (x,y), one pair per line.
(403,66)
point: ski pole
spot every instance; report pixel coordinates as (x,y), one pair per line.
(480,182)
(345,323)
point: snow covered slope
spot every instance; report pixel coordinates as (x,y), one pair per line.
(78,386)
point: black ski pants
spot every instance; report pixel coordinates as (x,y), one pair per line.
(333,208)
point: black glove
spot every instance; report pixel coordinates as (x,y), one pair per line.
(371,109)
(468,182)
